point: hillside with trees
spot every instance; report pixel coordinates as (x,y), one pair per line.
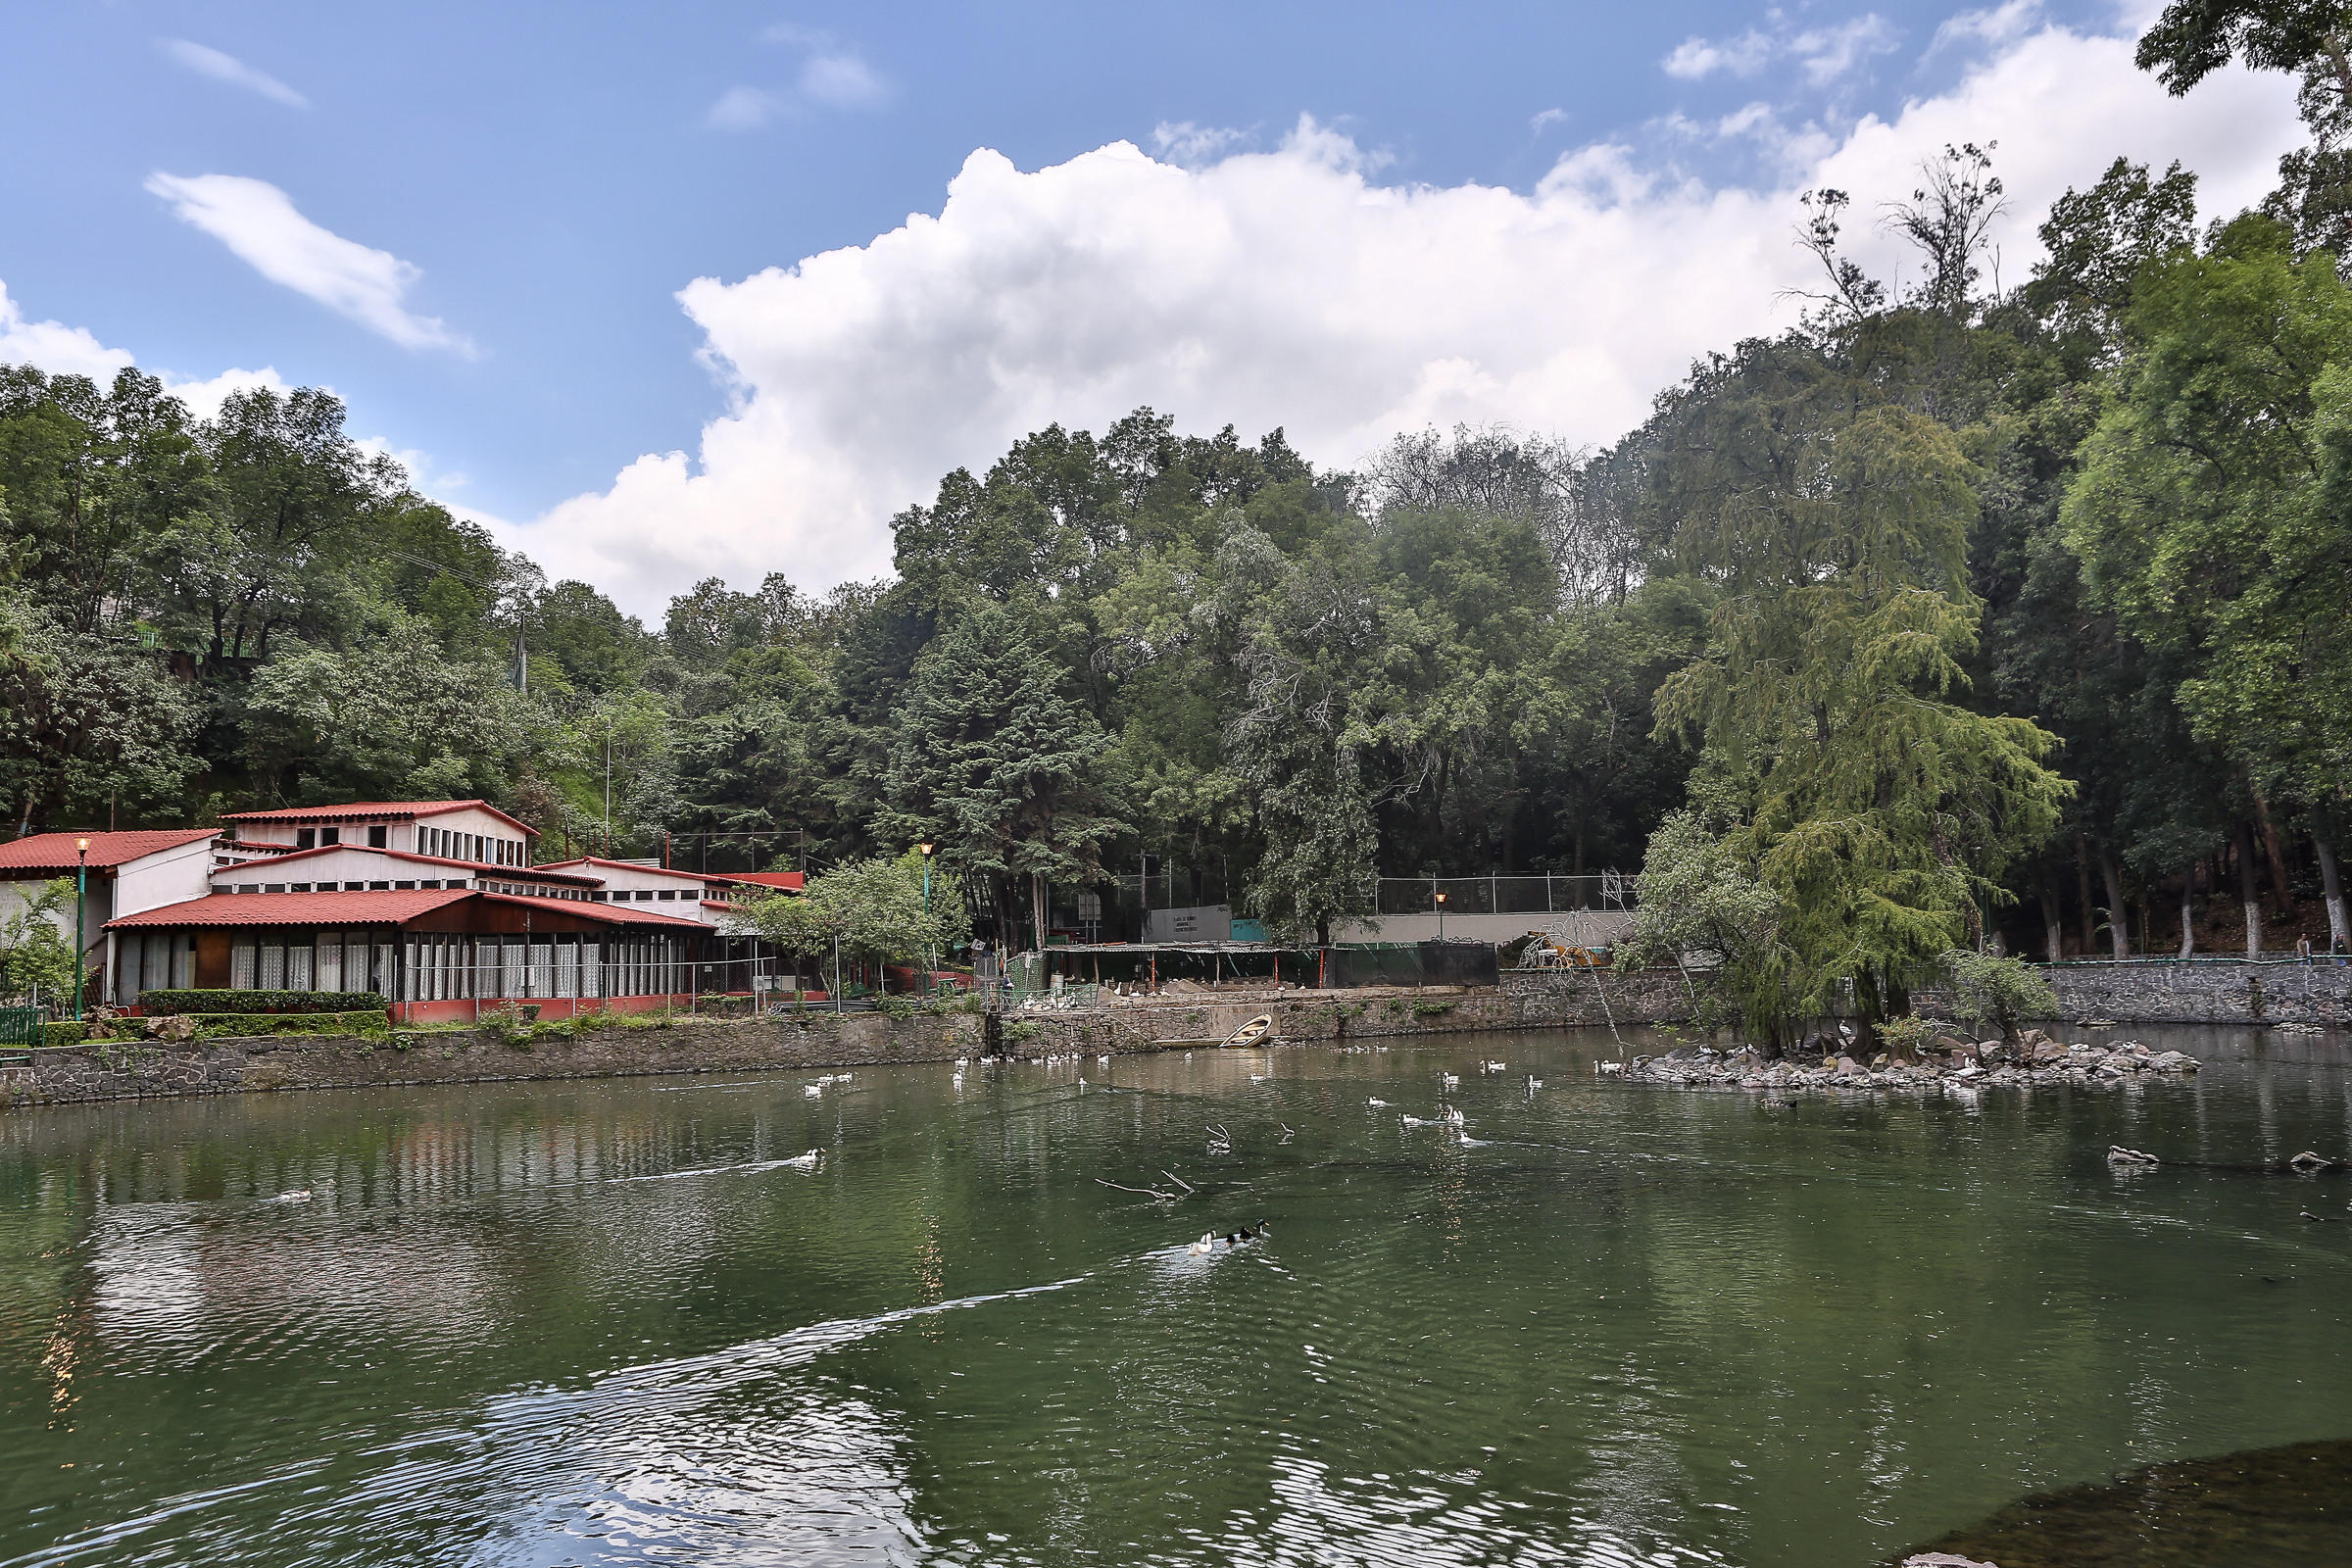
(1953,616)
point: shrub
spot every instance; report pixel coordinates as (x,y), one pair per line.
(201,1002)
(2000,991)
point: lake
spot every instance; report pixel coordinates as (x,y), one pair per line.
(610,1322)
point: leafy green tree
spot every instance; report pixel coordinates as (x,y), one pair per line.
(874,909)
(1697,900)
(89,720)
(1883,810)
(36,957)
(1989,988)
(1307,635)
(392,719)
(996,767)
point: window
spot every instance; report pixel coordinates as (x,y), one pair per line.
(241,965)
(598,897)
(379,887)
(409,886)
(376,838)
(429,885)
(330,835)
(645,894)
(273,887)
(222,887)
(665,894)
(306,838)
(298,887)
(249,886)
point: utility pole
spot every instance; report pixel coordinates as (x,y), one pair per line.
(81,897)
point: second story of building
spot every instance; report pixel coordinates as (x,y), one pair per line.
(471,831)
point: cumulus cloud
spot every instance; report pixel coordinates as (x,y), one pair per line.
(260,223)
(63,350)
(53,346)
(1285,287)
(1824,54)
(230,69)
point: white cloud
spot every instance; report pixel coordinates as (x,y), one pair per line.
(743,109)
(842,81)
(2003,24)
(63,350)
(1696,59)
(1828,53)
(1179,141)
(227,67)
(1285,288)
(1823,53)
(203,398)
(53,346)
(834,75)
(260,223)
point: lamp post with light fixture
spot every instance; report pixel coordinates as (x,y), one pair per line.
(81,896)
(930,954)
(1440,918)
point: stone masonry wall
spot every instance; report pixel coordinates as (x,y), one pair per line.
(2130,993)
(2207,991)
(131,1069)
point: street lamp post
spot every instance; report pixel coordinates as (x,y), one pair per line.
(81,897)
(1440,918)
(930,957)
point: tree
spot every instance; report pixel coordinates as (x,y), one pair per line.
(392,719)
(2209,511)
(282,545)
(1989,988)
(89,720)
(874,909)
(36,957)
(1882,812)
(1697,897)
(995,765)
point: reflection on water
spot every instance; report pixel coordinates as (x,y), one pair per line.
(2286,1508)
(633,1323)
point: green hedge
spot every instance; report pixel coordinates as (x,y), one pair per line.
(223,1025)
(201,1002)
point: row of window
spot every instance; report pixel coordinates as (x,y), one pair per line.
(308,838)
(418,968)
(526,890)
(477,847)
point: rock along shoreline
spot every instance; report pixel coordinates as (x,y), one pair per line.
(2033,1060)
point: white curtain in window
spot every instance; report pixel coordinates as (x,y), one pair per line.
(328,974)
(298,967)
(273,975)
(240,964)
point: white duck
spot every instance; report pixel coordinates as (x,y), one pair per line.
(1209,1239)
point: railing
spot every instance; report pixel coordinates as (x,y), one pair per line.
(19,1026)
(1506,894)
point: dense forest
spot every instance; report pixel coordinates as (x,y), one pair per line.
(1952,617)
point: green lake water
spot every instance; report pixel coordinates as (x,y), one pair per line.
(603,1323)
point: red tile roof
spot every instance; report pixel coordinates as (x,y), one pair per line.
(791,881)
(609,913)
(389,906)
(632,865)
(566,878)
(381,906)
(355,811)
(52,852)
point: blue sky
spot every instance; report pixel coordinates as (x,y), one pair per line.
(543,180)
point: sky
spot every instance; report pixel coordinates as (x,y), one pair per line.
(663,293)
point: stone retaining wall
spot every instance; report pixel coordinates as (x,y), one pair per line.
(2208,990)
(132,1069)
